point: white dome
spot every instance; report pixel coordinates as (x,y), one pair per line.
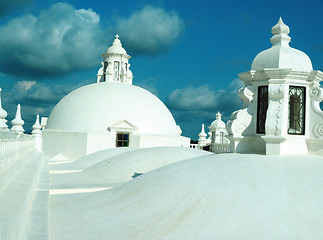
(281,55)
(217,123)
(116,47)
(96,107)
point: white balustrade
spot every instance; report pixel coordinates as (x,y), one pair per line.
(14,147)
(220,147)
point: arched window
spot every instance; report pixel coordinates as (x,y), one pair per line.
(296,118)
(262,107)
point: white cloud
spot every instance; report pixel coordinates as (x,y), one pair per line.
(35,98)
(7,6)
(192,106)
(203,98)
(23,86)
(60,40)
(63,39)
(150,31)
(193,98)
(148,84)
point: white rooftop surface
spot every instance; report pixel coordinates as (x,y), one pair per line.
(115,166)
(56,163)
(227,196)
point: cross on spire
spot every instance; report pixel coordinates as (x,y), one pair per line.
(117,36)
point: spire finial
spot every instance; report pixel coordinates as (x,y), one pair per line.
(18,122)
(202,133)
(202,138)
(117,41)
(36,127)
(280,32)
(218,116)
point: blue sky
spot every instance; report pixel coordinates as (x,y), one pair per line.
(187,53)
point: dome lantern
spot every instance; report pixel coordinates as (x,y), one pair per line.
(115,65)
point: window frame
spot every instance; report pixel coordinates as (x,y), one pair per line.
(301,115)
(124,142)
(262,107)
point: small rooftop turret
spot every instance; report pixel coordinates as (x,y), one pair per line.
(217,123)
(281,113)
(17,123)
(37,133)
(36,127)
(115,65)
(202,138)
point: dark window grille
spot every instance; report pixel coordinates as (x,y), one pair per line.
(296,110)
(105,65)
(122,140)
(262,108)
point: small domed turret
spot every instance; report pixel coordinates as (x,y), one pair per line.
(217,123)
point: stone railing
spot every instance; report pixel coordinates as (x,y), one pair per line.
(14,147)
(220,148)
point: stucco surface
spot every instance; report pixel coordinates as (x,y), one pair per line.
(119,166)
(224,196)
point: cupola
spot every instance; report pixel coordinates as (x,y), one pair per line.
(115,65)
(217,123)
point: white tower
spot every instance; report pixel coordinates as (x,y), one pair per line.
(115,65)
(17,123)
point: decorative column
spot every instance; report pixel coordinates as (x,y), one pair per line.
(17,123)
(202,138)
(37,134)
